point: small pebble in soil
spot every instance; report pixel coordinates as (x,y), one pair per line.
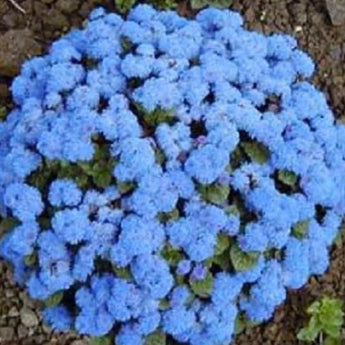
(6,334)
(28,318)
(336,11)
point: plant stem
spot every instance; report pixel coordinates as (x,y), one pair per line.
(17,6)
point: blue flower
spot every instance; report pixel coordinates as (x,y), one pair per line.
(207,163)
(129,336)
(64,193)
(72,226)
(59,318)
(184,267)
(178,320)
(199,272)
(24,201)
(152,274)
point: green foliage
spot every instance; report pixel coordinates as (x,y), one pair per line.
(327,319)
(197,4)
(44,222)
(125,187)
(156,338)
(215,193)
(122,272)
(163,4)
(287,177)
(222,260)
(54,299)
(7,224)
(300,229)
(256,151)
(202,288)
(97,172)
(106,340)
(101,167)
(221,253)
(165,217)
(30,260)
(232,210)
(123,6)
(237,157)
(164,304)
(159,116)
(240,324)
(3,113)
(243,261)
(160,156)
(223,243)
(126,44)
(172,255)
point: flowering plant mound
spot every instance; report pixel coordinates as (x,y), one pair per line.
(164,177)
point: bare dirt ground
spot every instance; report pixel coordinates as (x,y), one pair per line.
(25,35)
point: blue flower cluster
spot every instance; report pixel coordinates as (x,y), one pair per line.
(154,166)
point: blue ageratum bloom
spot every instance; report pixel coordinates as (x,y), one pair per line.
(64,193)
(24,201)
(155,167)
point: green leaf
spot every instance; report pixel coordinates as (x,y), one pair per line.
(160,156)
(327,318)
(122,272)
(215,193)
(240,325)
(256,151)
(102,179)
(126,44)
(90,64)
(222,260)
(332,341)
(223,243)
(123,6)
(314,308)
(202,288)
(164,304)
(180,280)
(125,187)
(106,340)
(44,222)
(86,167)
(197,4)
(300,229)
(134,83)
(331,316)
(165,217)
(3,113)
(311,331)
(82,181)
(30,260)
(241,260)
(333,331)
(287,177)
(54,299)
(156,338)
(159,116)
(164,4)
(237,157)
(7,224)
(232,210)
(172,255)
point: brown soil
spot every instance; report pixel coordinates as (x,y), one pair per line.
(22,36)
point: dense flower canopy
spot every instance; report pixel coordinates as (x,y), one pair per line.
(162,175)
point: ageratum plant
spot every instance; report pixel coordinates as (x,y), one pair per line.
(162,177)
